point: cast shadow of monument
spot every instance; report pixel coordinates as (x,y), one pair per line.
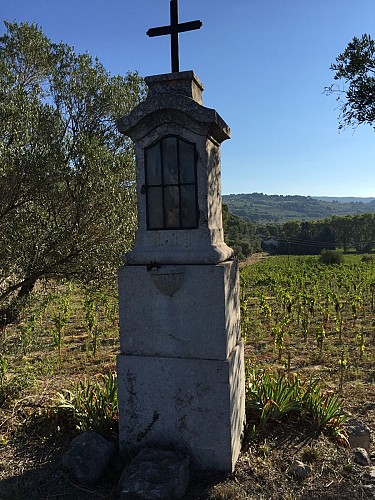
(37,451)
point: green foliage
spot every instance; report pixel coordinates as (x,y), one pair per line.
(60,318)
(290,300)
(323,410)
(368,258)
(67,176)
(13,384)
(350,232)
(3,369)
(240,234)
(286,225)
(272,396)
(92,405)
(90,306)
(356,67)
(99,306)
(331,257)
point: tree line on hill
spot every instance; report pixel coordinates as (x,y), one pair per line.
(349,233)
(259,207)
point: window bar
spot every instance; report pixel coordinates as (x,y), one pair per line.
(179,183)
(162,179)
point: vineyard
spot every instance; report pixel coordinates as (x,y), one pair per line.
(300,313)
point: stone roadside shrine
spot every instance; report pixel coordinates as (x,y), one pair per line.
(181,366)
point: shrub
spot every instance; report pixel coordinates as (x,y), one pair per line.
(92,405)
(272,396)
(367,258)
(331,257)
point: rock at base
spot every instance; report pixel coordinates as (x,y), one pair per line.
(299,469)
(155,474)
(88,457)
(361,457)
(358,434)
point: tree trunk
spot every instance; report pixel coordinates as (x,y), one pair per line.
(11,313)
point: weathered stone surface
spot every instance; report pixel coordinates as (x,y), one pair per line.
(358,434)
(196,316)
(360,456)
(182,93)
(88,457)
(155,474)
(299,469)
(185,83)
(196,404)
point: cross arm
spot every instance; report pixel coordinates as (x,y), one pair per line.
(179,28)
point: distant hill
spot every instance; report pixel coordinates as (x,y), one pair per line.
(259,207)
(344,199)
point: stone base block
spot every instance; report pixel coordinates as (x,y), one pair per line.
(180,311)
(194,405)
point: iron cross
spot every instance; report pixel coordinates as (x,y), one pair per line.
(174,29)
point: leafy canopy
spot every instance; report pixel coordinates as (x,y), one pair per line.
(356,68)
(67,204)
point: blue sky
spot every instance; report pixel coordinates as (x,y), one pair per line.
(264,65)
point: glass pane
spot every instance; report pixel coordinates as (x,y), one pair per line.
(188,207)
(171,204)
(170,165)
(187,161)
(153,165)
(155,207)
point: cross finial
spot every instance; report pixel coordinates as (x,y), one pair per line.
(174,29)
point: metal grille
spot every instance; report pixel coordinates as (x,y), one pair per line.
(171,184)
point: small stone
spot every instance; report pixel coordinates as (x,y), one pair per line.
(299,469)
(155,474)
(361,457)
(358,434)
(88,457)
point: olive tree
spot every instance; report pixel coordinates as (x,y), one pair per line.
(67,193)
(355,68)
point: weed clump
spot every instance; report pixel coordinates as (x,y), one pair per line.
(271,396)
(93,405)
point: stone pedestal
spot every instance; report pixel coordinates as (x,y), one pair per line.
(181,364)
(194,405)
(181,368)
